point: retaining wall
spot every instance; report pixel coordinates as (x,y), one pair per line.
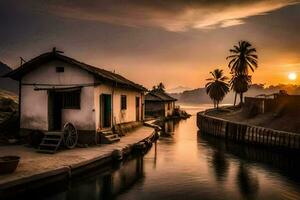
(246,133)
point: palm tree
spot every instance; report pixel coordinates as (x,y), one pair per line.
(243,57)
(217,87)
(240,84)
(161,86)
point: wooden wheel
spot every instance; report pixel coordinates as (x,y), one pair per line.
(70,136)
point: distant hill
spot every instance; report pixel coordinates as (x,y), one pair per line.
(8,115)
(7,83)
(199,95)
(178,89)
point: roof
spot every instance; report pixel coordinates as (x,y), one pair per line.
(158,95)
(55,55)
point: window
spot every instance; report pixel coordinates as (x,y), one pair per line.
(71,100)
(123,102)
(60,69)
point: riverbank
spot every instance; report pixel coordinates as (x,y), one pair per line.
(36,169)
(246,133)
(288,121)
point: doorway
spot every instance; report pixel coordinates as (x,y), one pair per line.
(105,110)
(54,111)
(137,108)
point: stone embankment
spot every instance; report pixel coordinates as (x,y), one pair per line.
(36,170)
(245,133)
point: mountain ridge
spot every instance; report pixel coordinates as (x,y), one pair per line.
(7,84)
(199,95)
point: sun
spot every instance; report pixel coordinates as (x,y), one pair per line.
(292,76)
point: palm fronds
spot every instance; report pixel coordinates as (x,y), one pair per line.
(242,58)
(217,87)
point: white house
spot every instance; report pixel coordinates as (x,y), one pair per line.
(56,89)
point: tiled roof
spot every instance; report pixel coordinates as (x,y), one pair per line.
(98,72)
(158,95)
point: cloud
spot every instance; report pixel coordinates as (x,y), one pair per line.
(173,15)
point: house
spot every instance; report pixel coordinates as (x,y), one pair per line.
(275,103)
(159,104)
(56,89)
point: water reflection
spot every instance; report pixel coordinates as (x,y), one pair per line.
(220,165)
(155,155)
(247,182)
(106,185)
(168,127)
(218,160)
(187,165)
(284,162)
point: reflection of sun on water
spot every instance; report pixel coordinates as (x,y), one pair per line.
(292,76)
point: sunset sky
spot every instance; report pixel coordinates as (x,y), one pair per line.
(174,41)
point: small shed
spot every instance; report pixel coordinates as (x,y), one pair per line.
(159,104)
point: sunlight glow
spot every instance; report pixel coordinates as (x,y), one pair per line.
(292,76)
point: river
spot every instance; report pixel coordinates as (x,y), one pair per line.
(185,164)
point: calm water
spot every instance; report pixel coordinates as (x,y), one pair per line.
(187,165)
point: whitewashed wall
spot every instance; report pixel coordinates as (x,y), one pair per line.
(34,104)
(119,116)
(169,112)
(34,109)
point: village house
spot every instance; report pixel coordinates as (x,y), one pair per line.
(56,89)
(275,103)
(159,104)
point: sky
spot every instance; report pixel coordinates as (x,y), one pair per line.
(177,42)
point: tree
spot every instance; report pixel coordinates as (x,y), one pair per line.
(217,87)
(243,57)
(240,84)
(161,86)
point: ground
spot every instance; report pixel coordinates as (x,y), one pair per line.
(289,121)
(35,165)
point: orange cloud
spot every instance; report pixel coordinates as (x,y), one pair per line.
(175,15)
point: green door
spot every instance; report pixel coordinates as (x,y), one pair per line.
(106,110)
(54,111)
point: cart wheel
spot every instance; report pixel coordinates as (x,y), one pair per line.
(70,136)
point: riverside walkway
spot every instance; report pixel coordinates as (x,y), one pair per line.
(35,166)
